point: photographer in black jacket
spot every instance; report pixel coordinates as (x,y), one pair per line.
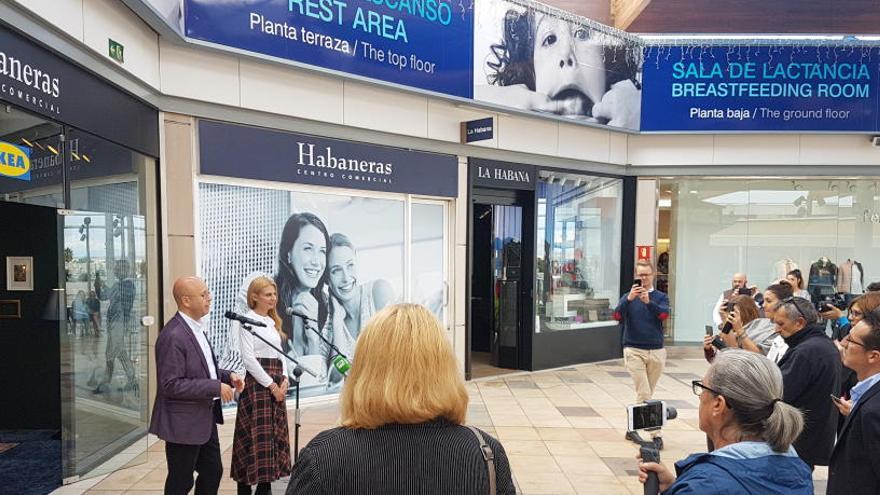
(810,375)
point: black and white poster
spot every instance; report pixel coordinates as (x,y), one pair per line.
(535,59)
(337,259)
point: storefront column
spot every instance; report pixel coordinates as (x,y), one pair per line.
(459,279)
(646,214)
(177,172)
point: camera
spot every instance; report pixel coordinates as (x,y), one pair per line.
(827,302)
(650,415)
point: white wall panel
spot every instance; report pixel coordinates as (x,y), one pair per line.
(584,143)
(617,148)
(67,15)
(387,110)
(675,149)
(528,135)
(289,91)
(106,19)
(198,74)
(733,149)
(823,149)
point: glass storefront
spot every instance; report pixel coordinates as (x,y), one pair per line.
(578,251)
(242,231)
(344,230)
(108,273)
(827,228)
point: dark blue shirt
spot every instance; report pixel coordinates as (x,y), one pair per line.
(643,323)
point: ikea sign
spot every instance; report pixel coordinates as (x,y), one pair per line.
(15,161)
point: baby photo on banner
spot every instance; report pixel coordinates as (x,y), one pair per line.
(532,57)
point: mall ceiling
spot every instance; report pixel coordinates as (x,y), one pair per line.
(731,16)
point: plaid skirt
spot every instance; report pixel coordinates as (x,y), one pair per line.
(261,446)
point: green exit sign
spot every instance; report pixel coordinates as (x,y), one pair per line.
(117,51)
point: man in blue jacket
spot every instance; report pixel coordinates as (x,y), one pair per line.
(642,312)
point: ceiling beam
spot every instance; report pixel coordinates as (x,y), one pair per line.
(624,12)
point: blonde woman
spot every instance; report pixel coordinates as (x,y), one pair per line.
(261,446)
(403,407)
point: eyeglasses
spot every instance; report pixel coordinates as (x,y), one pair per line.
(848,339)
(698,387)
(794,303)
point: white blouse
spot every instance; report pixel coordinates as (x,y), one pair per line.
(253,348)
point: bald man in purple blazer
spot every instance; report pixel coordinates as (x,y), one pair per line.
(190,389)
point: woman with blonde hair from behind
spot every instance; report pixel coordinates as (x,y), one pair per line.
(403,409)
(742,412)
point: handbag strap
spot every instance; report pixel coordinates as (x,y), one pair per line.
(488,456)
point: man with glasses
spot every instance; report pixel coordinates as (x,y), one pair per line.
(855,462)
(642,311)
(810,375)
(190,388)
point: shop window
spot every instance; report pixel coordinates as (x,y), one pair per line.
(367,251)
(764,228)
(578,251)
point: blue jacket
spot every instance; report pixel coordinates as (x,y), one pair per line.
(742,468)
(643,323)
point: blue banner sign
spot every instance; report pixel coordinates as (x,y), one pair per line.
(421,43)
(478,130)
(253,153)
(760,88)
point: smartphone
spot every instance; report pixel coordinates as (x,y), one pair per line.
(745,291)
(642,416)
(718,343)
(637,282)
(709,330)
(835,398)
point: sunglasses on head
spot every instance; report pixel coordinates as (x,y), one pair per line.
(793,302)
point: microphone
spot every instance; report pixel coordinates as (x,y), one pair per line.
(341,364)
(340,361)
(243,319)
(292,312)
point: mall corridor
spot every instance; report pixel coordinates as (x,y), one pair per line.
(562,430)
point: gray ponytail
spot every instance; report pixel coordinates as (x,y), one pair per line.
(752,387)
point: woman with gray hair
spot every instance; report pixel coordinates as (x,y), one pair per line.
(742,411)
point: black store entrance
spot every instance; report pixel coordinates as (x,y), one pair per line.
(500,267)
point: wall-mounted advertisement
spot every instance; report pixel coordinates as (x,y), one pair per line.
(761,88)
(425,44)
(536,59)
(337,259)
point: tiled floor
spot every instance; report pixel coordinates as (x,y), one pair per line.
(562,430)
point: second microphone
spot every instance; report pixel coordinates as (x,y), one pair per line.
(243,319)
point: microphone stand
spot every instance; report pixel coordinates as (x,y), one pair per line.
(297,372)
(323,339)
(335,349)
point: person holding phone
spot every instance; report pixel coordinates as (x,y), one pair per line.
(642,312)
(739,285)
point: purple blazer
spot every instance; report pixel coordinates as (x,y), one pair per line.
(185,410)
